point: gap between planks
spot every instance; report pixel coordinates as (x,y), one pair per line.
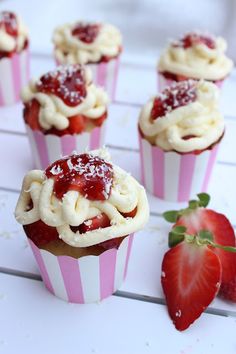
(118,293)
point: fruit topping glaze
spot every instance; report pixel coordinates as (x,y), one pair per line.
(173,97)
(8,22)
(201,262)
(86,33)
(90,175)
(67,83)
(191,39)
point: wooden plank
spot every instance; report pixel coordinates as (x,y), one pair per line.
(41,323)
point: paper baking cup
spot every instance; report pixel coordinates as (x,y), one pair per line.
(48,148)
(163,82)
(14,74)
(106,75)
(173,176)
(87,279)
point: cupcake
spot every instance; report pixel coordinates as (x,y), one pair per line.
(79,216)
(14,57)
(95,44)
(180,130)
(195,56)
(64,112)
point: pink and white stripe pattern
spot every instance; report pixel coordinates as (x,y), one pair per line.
(173,176)
(163,82)
(14,74)
(106,75)
(48,148)
(87,279)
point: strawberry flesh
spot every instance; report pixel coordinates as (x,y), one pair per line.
(40,233)
(223,234)
(191,277)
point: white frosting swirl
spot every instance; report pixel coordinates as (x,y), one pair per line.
(198,61)
(55,113)
(9,43)
(71,50)
(200,118)
(126,195)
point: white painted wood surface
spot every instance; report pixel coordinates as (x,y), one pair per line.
(27,298)
(37,322)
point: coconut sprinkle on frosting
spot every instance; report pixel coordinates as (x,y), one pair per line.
(91,175)
(66,82)
(177,95)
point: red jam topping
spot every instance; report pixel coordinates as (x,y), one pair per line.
(177,95)
(194,38)
(8,21)
(89,175)
(66,82)
(85,32)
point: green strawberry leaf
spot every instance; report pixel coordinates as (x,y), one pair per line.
(171,216)
(204,199)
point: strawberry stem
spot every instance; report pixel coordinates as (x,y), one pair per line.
(172,216)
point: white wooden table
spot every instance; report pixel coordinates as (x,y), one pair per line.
(135,319)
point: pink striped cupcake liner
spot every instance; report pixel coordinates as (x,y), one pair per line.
(172,176)
(48,148)
(87,279)
(14,75)
(163,82)
(105,75)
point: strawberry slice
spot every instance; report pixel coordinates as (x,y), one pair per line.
(191,277)
(40,233)
(31,114)
(98,122)
(223,234)
(77,124)
(95,223)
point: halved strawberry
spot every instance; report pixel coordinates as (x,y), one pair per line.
(77,124)
(98,122)
(191,276)
(196,219)
(95,223)
(130,214)
(181,78)
(223,234)
(40,233)
(31,114)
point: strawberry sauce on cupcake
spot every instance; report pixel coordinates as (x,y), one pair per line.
(195,56)
(13,34)
(65,103)
(182,121)
(82,205)
(85,43)
(14,57)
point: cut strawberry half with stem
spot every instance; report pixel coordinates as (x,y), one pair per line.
(196,218)
(191,276)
